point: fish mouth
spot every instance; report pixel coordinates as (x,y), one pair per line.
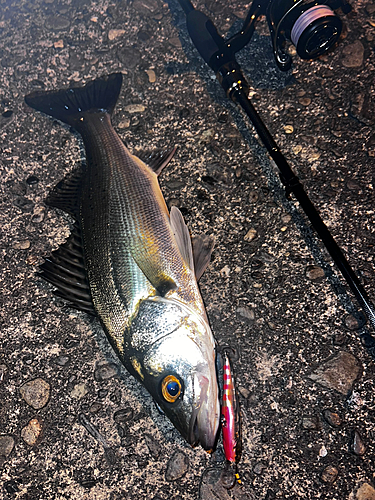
(204,421)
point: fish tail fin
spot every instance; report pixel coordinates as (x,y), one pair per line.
(68,105)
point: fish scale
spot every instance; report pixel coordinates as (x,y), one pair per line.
(95,223)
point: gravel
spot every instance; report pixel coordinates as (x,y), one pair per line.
(73,423)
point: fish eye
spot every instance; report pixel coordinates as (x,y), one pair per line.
(170,388)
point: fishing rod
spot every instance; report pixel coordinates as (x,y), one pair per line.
(313,27)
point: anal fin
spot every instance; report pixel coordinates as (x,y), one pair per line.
(66,194)
(65,269)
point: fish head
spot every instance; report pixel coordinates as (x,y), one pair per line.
(172,352)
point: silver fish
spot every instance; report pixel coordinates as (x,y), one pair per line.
(130,262)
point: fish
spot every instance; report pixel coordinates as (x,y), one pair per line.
(230,416)
(132,263)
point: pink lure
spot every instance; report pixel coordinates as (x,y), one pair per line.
(230,419)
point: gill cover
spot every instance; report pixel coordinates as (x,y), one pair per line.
(173,355)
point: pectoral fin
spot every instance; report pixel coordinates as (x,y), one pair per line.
(195,251)
(182,236)
(202,250)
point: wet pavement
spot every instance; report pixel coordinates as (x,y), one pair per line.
(73,423)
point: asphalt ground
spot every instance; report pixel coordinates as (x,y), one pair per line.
(73,423)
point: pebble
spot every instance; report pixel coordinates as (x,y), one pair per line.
(146,7)
(121,431)
(332,418)
(305,101)
(363,491)
(32,180)
(123,415)
(329,474)
(59,44)
(314,156)
(32,433)
(129,57)
(265,256)
(135,108)
(338,373)
(106,371)
(177,466)
(79,391)
(124,124)
(253,197)
(37,217)
(250,235)
(256,264)
(351,322)
(246,314)
(259,468)
(6,445)
(62,360)
(243,391)
(210,486)
(353,55)
(218,483)
(310,423)
(223,117)
(21,245)
(357,446)
(115,396)
(113,34)
(151,75)
(238,172)
(353,186)
(36,393)
(153,445)
(176,42)
(57,23)
(184,113)
(314,273)
(95,408)
(3,371)
(339,339)
(175,185)
(323,452)
(289,129)
(144,35)
(207,135)
(102,393)
(71,342)
(228,479)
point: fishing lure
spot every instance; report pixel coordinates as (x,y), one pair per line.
(230,417)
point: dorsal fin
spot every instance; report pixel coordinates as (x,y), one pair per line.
(202,250)
(65,269)
(66,194)
(182,236)
(157,159)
